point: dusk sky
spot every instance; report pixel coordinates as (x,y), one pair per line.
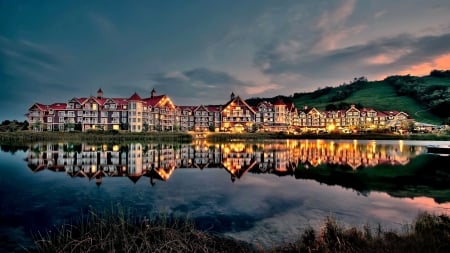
(198,52)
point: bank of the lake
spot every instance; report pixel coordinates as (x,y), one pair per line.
(121,232)
(332,136)
(24,137)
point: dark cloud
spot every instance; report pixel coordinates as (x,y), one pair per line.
(198,86)
(398,53)
(21,56)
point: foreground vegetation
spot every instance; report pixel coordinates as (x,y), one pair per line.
(24,137)
(119,231)
(219,137)
(27,137)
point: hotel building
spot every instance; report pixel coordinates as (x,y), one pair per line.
(159,113)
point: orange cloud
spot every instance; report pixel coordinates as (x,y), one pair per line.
(440,62)
(380,59)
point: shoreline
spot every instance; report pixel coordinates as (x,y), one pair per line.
(117,230)
(24,137)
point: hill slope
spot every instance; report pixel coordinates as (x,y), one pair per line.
(426,99)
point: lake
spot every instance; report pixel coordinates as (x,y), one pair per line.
(262,192)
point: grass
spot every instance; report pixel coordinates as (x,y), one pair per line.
(381,96)
(25,137)
(120,231)
(220,137)
(428,233)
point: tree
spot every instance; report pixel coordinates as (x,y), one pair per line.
(37,126)
(25,125)
(124,126)
(78,126)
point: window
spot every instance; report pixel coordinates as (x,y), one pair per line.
(94,107)
(49,119)
(80,113)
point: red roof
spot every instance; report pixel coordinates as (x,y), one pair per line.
(58,106)
(41,107)
(279,102)
(82,100)
(381,114)
(101,101)
(214,108)
(152,101)
(186,107)
(135,97)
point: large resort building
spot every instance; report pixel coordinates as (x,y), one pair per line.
(159,113)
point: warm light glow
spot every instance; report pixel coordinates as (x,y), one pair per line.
(115,148)
(381,59)
(424,68)
(331,127)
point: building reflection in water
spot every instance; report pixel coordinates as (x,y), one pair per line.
(158,161)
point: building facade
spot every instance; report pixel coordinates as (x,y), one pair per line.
(159,113)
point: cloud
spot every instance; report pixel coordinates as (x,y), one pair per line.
(383,55)
(102,23)
(440,62)
(332,26)
(380,14)
(23,57)
(199,86)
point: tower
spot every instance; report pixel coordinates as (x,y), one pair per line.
(100,93)
(153,93)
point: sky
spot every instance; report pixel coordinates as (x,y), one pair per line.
(199,51)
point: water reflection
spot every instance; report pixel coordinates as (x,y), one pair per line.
(159,161)
(279,186)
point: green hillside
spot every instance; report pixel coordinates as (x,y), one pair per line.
(426,99)
(376,94)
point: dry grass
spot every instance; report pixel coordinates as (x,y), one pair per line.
(118,231)
(428,233)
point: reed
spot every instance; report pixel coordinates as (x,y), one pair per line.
(121,230)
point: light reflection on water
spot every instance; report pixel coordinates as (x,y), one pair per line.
(262,192)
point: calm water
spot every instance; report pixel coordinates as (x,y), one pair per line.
(260,192)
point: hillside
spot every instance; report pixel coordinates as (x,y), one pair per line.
(426,99)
